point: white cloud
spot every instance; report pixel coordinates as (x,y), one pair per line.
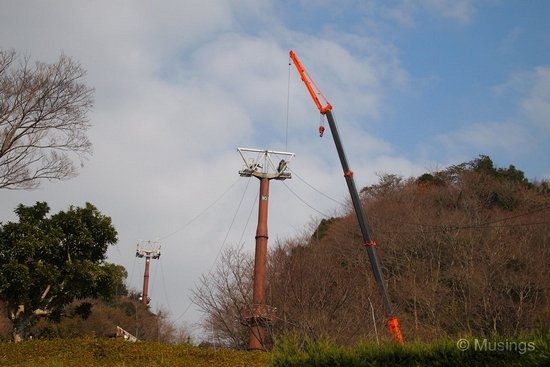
(486,135)
(510,40)
(458,10)
(179,85)
(531,89)
(406,12)
(537,102)
(521,135)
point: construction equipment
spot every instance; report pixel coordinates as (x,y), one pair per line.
(326,110)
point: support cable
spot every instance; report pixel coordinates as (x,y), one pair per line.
(133,268)
(437,227)
(184,312)
(305,202)
(248,220)
(488,224)
(221,247)
(200,214)
(315,189)
(164,284)
(230,225)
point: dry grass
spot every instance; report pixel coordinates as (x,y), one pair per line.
(108,352)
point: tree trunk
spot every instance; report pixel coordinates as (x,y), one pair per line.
(19,329)
(17,335)
(20,323)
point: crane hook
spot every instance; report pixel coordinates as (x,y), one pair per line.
(321,125)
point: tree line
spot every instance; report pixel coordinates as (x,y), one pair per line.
(464,251)
(54,278)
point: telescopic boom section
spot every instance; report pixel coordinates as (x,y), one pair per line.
(368,242)
(312,88)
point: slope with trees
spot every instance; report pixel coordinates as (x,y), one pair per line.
(47,262)
(464,250)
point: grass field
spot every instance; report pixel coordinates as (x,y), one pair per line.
(289,352)
(111,353)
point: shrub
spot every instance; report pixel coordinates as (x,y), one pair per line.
(525,351)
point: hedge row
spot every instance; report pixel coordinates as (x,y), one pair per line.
(530,351)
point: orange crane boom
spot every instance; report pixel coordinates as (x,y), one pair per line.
(326,109)
(314,91)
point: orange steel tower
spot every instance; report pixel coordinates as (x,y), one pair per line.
(261,165)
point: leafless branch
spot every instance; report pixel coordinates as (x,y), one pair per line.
(43,120)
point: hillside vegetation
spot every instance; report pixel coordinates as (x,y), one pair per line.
(465,252)
(89,318)
(289,352)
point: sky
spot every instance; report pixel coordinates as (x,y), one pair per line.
(415,86)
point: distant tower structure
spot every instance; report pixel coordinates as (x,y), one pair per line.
(265,165)
(149,250)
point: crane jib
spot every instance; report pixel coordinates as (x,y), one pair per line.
(370,244)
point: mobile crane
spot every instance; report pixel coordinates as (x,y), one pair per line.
(368,242)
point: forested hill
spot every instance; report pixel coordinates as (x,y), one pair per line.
(465,251)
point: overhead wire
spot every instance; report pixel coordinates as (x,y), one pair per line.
(437,227)
(543,208)
(305,202)
(201,213)
(164,283)
(133,268)
(154,277)
(184,312)
(231,224)
(315,189)
(248,219)
(487,224)
(221,247)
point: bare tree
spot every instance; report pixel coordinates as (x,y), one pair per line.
(43,120)
(464,251)
(223,294)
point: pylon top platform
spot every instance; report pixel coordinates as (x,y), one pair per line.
(148,249)
(270,164)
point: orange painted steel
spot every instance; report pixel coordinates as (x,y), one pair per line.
(314,91)
(395,331)
(370,244)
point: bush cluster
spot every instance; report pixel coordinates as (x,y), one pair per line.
(297,352)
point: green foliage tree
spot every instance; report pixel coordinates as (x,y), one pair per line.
(48,262)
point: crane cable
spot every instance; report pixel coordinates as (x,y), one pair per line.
(287,103)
